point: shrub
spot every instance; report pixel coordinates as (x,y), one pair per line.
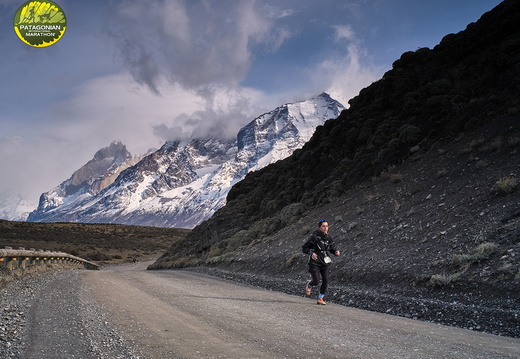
(290,262)
(240,239)
(513,141)
(472,145)
(214,252)
(441,280)
(483,251)
(292,212)
(494,145)
(442,172)
(396,177)
(506,185)
(226,257)
(97,256)
(180,262)
(482,164)
(306,229)
(396,204)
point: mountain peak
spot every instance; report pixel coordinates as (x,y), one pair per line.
(89,180)
(184,182)
(116,150)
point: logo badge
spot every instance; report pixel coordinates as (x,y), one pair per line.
(40,23)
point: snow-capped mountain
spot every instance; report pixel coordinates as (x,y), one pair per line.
(14,208)
(85,183)
(182,184)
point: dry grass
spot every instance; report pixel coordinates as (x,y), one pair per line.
(442,280)
(396,177)
(291,261)
(102,243)
(482,252)
(9,275)
(464,261)
(473,145)
(506,185)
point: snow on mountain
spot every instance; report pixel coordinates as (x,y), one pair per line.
(14,208)
(182,184)
(85,183)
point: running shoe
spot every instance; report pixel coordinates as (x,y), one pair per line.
(308,288)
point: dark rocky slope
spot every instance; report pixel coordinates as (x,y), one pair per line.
(418,180)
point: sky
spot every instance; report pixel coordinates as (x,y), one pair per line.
(147,71)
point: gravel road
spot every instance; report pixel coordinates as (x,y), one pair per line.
(128,312)
(52,315)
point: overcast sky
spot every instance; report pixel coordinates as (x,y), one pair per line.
(144,71)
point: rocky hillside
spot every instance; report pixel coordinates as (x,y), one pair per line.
(418,179)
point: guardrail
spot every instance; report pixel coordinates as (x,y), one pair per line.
(22,258)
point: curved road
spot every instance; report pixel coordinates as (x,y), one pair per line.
(175,314)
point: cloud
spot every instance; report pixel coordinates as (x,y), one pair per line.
(229,111)
(32,158)
(196,44)
(116,108)
(344,32)
(346,73)
(277,38)
(70,131)
(107,109)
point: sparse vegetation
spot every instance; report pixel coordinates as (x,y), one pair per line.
(291,261)
(306,229)
(482,164)
(215,251)
(495,145)
(442,172)
(396,204)
(473,145)
(396,177)
(226,257)
(506,185)
(513,141)
(442,280)
(108,243)
(481,252)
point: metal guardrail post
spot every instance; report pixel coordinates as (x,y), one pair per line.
(21,258)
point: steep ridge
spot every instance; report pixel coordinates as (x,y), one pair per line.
(185,182)
(410,178)
(89,180)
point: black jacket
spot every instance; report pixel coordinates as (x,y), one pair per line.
(320,243)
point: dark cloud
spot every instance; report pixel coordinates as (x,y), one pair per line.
(197,44)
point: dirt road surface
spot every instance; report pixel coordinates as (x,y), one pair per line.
(177,314)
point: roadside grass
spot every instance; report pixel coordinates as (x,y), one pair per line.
(463,262)
(9,275)
(506,185)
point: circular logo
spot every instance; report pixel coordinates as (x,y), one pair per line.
(40,23)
